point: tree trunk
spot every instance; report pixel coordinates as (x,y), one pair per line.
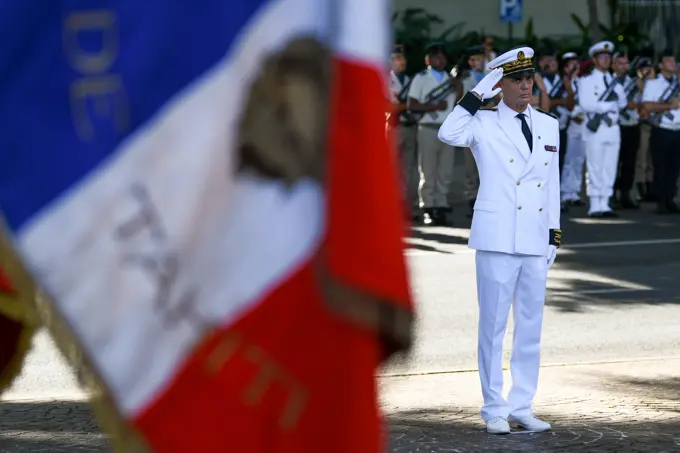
(613,13)
(595,32)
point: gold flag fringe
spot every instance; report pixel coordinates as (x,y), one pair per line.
(40,309)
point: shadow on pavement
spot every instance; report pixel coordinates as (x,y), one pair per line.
(55,443)
(608,412)
(587,277)
(662,393)
(420,431)
(49,426)
(647,421)
(425,248)
(439,238)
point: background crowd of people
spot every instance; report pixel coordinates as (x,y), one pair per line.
(624,148)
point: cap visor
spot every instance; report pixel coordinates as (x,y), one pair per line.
(520,74)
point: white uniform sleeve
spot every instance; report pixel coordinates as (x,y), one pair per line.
(459,126)
(649,92)
(577,110)
(591,103)
(415,91)
(554,204)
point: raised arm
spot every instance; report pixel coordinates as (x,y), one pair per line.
(458,128)
(543,99)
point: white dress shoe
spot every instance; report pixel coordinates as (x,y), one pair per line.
(498,425)
(530,423)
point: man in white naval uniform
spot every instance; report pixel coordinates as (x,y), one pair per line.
(515,228)
(629,123)
(572,169)
(403,125)
(661,97)
(433,94)
(601,98)
(644,170)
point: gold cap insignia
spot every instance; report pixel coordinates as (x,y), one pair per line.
(606,47)
(521,64)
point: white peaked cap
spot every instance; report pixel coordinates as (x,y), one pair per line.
(514,61)
(601,47)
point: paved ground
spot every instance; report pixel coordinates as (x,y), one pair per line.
(613,296)
(631,407)
(613,293)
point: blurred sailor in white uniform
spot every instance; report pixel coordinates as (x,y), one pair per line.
(601,97)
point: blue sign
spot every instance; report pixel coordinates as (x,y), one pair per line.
(511,10)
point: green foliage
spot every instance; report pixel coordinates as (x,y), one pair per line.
(414,27)
(626,37)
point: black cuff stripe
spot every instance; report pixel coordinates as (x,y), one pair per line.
(471,103)
(555,238)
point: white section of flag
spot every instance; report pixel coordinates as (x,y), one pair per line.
(235,239)
(363,32)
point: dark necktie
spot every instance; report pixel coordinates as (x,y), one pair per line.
(526,131)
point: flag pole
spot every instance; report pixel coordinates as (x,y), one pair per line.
(41,310)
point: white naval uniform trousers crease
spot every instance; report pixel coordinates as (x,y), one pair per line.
(517,204)
(501,279)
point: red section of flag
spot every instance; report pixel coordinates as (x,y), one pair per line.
(287,378)
(365,225)
(291,376)
(5,285)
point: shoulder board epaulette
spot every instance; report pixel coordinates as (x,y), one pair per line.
(547,113)
(492,109)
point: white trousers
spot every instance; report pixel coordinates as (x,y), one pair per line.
(602,160)
(572,170)
(504,280)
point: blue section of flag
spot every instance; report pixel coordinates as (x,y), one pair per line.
(155,48)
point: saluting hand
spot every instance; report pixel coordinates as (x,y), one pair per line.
(485,89)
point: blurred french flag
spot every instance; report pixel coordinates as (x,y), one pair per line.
(220,309)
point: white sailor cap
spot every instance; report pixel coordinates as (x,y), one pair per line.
(569,56)
(514,61)
(601,47)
